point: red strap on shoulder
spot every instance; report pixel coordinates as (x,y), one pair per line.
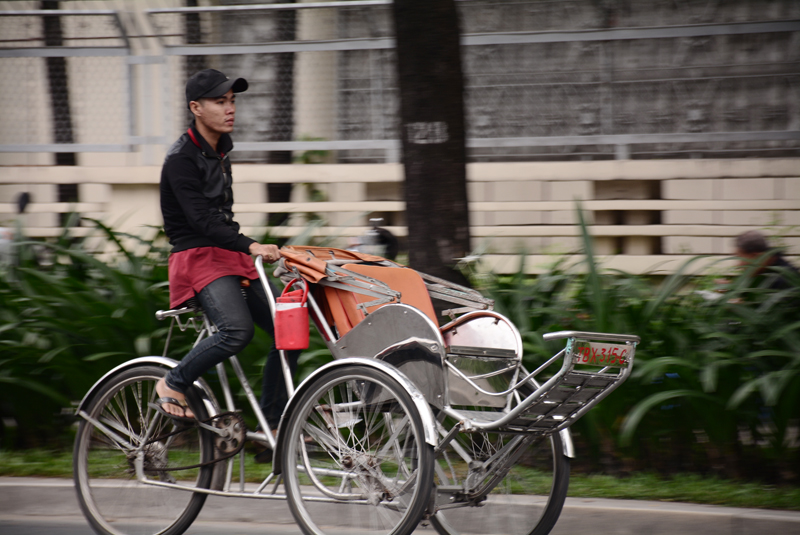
(194,139)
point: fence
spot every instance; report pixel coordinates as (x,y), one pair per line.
(553,90)
(69,79)
(544,80)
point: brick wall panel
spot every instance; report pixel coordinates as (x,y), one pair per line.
(687,245)
(701,189)
(570,190)
(748,188)
(686,217)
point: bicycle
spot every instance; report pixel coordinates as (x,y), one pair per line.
(410,423)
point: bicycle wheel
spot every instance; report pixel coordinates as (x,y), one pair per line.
(355,455)
(112,499)
(525,499)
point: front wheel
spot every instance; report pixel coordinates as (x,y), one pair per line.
(480,494)
(108,447)
(355,455)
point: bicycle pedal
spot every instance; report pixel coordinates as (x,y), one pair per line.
(211,428)
(232,432)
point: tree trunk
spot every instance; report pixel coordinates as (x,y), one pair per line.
(433,134)
(59,85)
(194,36)
(58,81)
(193,33)
(282,123)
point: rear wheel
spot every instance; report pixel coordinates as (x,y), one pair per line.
(525,499)
(355,455)
(112,499)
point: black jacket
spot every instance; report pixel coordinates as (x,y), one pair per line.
(778,281)
(196,195)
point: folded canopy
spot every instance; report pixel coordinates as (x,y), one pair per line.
(375,280)
(312,261)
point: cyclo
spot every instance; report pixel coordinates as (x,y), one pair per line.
(411,424)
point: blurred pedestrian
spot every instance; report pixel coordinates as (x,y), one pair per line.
(377,241)
(753,246)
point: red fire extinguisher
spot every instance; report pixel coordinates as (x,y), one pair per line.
(291,318)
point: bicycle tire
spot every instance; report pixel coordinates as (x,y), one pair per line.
(112,499)
(527,501)
(356,439)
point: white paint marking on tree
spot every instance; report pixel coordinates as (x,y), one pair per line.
(427,133)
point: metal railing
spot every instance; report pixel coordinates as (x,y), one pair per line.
(572,93)
(22,51)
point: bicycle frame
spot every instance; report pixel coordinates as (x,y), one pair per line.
(440,440)
(205,328)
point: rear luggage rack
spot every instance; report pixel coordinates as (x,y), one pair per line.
(593,366)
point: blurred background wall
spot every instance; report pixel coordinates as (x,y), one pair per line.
(677,122)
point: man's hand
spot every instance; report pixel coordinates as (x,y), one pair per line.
(270,253)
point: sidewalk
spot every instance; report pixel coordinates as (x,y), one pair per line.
(23,497)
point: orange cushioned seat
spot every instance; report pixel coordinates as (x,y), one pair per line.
(343,304)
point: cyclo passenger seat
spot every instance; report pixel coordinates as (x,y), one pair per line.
(343,304)
(352,285)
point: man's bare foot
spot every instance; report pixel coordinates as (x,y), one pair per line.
(164,391)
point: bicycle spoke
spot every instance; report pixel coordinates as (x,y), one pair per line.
(488,468)
(384,466)
(114,501)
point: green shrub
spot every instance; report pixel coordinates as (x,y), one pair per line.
(716,382)
(75,308)
(715,386)
(68,317)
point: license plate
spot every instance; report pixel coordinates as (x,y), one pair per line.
(600,354)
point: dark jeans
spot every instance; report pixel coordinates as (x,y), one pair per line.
(234,310)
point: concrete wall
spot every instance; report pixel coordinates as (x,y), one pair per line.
(641,213)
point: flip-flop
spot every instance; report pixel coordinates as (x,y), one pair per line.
(158,406)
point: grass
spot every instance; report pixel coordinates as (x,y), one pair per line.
(688,488)
(36,463)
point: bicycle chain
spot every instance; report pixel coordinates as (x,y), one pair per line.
(228,445)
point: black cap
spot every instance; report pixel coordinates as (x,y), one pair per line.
(211,83)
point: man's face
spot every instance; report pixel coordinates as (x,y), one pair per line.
(746,258)
(216,114)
